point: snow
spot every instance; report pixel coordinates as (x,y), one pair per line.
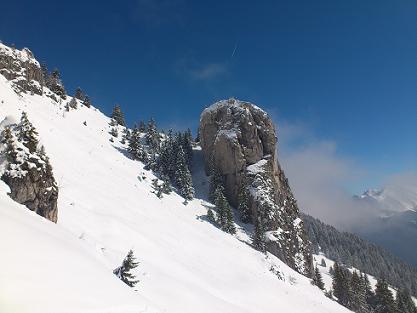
(258,167)
(186,264)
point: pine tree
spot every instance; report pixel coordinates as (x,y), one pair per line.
(166,185)
(56,85)
(114,132)
(210,216)
(123,271)
(243,204)
(384,298)
(79,94)
(152,136)
(341,285)
(118,115)
(259,239)
(224,211)
(404,302)
(87,101)
(73,103)
(8,141)
(45,75)
(317,279)
(135,148)
(215,180)
(27,133)
(358,301)
(323,263)
(183,176)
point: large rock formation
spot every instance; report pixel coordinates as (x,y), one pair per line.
(20,67)
(36,189)
(238,139)
(26,169)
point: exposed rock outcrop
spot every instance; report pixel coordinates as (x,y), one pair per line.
(239,140)
(37,190)
(26,170)
(21,67)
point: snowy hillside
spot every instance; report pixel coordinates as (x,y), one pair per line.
(106,207)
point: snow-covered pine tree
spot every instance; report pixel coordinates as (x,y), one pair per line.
(317,279)
(210,216)
(166,185)
(8,140)
(341,285)
(323,263)
(358,291)
(404,302)
(243,204)
(152,136)
(73,103)
(258,237)
(215,180)
(56,85)
(114,132)
(87,101)
(123,271)
(384,300)
(79,94)
(27,133)
(118,115)
(183,176)
(224,211)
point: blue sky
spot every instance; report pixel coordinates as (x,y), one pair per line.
(332,73)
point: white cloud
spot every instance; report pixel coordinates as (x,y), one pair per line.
(318,177)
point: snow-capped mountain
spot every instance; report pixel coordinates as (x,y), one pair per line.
(107,206)
(393,198)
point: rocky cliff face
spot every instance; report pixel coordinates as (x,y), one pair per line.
(36,189)
(21,67)
(239,140)
(26,170)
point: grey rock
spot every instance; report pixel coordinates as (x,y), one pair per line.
(239,139)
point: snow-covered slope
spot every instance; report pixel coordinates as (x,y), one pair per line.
(106,207)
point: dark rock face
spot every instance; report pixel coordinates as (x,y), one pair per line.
(21,67)
(37,190)
(239,139)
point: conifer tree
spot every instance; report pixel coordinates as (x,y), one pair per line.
(404,302)
(183,176)
(123,271)
(152,136)
(317,279)
(384,298)
(27,133)
(118,115)
(55,84)
(114,132)
(243,204)
(166,185)
(73,103)
(87,101)
(8,141)
(79,94)
(259,239)
(224,211)
(215,180)
(358,288)
(341,285)
(210,216)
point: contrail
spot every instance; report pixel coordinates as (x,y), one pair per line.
(234,50)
